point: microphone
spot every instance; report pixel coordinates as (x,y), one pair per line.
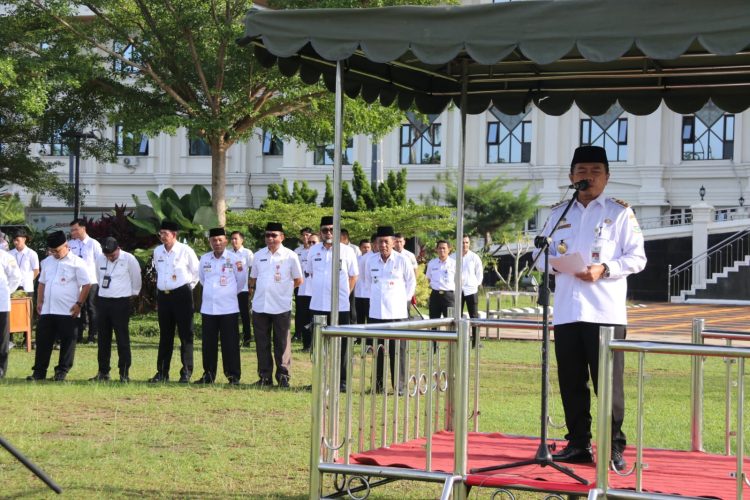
(581,185)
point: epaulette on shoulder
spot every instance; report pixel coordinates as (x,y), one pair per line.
(621,202)
(558,204)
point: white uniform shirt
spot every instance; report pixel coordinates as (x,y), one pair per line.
(246,256)
(392,283)
(275,274)
(27,261)
(62,280)
(175,268)
(320,266)
(305,288)
(442,274)
(362,287)
(472,273)
(222,279)
(124,276)
(87,249)
(409,255)
(10,279)
(605,232)
(355,249)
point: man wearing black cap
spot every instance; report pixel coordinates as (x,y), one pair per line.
(176,275)
(63,288)
(223,275)
(606,235)
(10,279)
(273,278)
(119,278)
(88,249)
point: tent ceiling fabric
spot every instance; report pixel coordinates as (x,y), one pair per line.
(552,52)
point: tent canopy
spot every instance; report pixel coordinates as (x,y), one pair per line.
(552,52)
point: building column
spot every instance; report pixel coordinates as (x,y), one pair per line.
(702,215)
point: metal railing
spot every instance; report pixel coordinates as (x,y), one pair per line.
(724,254)
(607,346)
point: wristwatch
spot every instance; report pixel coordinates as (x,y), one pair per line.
(79,304)
(605,274)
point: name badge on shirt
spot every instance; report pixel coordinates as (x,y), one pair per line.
(277,275)
(106,280)
(223,281)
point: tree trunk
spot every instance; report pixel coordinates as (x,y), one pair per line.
(219,181)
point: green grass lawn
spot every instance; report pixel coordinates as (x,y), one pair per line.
(105,440)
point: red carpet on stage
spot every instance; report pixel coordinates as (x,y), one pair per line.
(671,472)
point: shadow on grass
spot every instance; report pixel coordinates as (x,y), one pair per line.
(78,492)
(115,383)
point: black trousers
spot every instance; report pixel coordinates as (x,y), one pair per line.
(50,327)
(471,303)
(114,314)
(243,300)
(391,359)
(353,314)
(344,319)
(302,318)
(4,341)
(439,303)
(89,315)
(175,310)
(273,328)
(577,353)
(222,326)
(362,305)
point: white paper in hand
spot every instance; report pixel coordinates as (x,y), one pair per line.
(570,264)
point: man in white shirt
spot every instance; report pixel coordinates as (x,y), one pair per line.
(361,288)
(223,275)
(441,273)
(10,279)
(344,238)
(399,245)
(176,275)
(63,288)
(243,298)
(319,269)
(118,275)
(27,260)
(88,249)
(302,295)
(472,274)
(392,282)
(275,274)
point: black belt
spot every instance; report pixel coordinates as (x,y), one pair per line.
(167,292)
(443,292)
(113,298)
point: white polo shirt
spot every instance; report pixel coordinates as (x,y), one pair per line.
(472,272)
(124,276)
(320,267)
(442,274)
(87,249)
(246,256)
(176,267)
(392,283)
(10,279)
(62,280)
(222,278)
(275,274)
(306,288)
(362,287)
(28,261)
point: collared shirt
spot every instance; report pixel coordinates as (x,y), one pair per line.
(246,256)
(410,255)
(28,261)
(87,249)
(472,272)
(222,278)
(362,287)
(124,276)
(392,283)
(355,249)
(10,279)
(604,232)
(442,274)
(320,267)
(306,288)
(62,280)
(175,268)
(275,274)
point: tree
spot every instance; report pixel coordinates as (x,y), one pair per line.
(362,189)
(175,63)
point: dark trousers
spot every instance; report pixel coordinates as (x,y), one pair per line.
(222,326)
(392,359)
(175,310)
(243,300)
(50,327)
(4,341)
(439,303)
(344,319)
(302,318)
(88,316)
(577,353)
(471,303)
(362,305)
(114,314)
(273,328)
(353,314)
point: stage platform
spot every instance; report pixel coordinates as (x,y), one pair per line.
(683,473)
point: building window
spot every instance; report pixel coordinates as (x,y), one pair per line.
(708,135)
(323,155)
(128,52)
(613,138)
(129,144)
(420,146)
(272,145)
(679,216)
(509,138)
(199,147)
(56,146)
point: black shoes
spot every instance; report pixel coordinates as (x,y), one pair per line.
(158,378)
(33,378)
(234,381)
(574,455)
(124,378)
(618,461)
(59,377)
(204,380)
(100,377)
(263,382)
(184,379)
(284,382)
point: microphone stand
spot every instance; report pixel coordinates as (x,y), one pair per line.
(543,455)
